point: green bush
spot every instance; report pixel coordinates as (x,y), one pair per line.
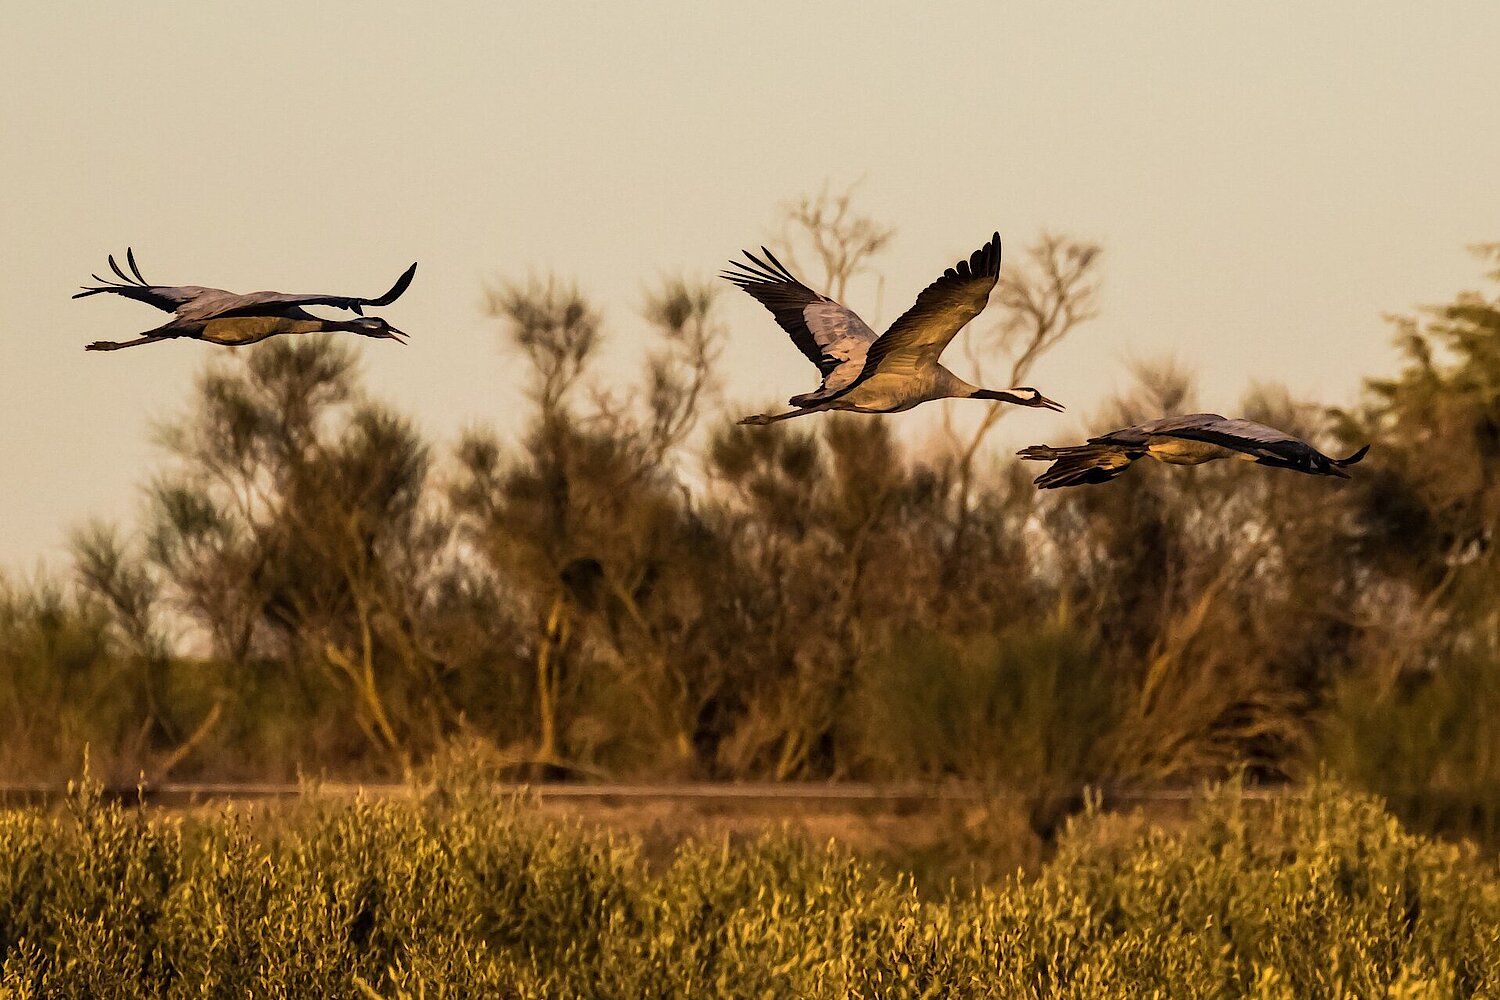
(1423,739)
(1024,708)
(461,893)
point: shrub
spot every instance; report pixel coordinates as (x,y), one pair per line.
(463,893)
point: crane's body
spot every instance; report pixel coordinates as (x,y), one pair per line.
(865,373)
(239,331)
(1191,439)
(893,392)
(232,319)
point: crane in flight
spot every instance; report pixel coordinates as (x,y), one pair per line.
(1191,439)
(235,320)
(863,373)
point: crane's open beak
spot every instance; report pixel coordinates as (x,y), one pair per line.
(392,333)
(1050,404)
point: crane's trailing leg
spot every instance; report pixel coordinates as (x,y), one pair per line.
(761,419)
(115,345)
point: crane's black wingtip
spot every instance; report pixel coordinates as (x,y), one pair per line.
(991,256)
(1353,459)
(397,290)
(982,263)
(134,268)
(756,272)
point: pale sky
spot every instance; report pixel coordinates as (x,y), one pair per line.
(1267,180)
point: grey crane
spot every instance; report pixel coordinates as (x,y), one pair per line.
(1191,439)
(234,320)
(895,371)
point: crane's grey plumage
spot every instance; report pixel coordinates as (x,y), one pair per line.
(233,319)
(895,371)
(1191,439)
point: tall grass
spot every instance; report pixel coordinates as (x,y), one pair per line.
(461,893)
(1023,708)
(1424,740)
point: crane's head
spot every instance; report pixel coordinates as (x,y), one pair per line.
(374,326)
(1021,395)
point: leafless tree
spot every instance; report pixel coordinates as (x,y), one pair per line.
(1042,300)
(840,239)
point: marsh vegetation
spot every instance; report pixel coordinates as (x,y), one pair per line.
(459,893)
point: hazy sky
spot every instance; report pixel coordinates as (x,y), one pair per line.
(1267,179)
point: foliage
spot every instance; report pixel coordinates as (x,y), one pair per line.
(1412,722)
(463,894)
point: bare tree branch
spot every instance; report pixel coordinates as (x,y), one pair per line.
(841,239)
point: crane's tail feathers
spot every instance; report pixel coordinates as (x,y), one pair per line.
(1080,465)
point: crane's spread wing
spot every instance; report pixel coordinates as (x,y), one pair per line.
(167,298)
(195,303)
(1141,434)
(1245,436)
(829,334)
(920,334)
(1266,445)
(253,303)
(1222,429)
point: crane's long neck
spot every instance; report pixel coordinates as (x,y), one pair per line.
(950,385)
(954,387)
(999,395)
(963,390)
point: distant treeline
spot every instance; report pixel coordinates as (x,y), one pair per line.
(639,588)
